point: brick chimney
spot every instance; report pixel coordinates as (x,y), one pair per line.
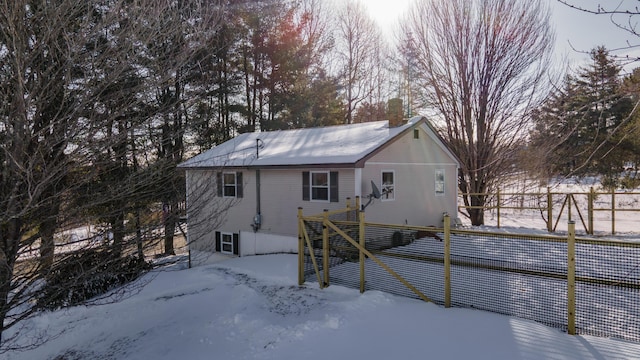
(394,112)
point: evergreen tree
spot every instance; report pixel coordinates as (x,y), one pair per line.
(578,128)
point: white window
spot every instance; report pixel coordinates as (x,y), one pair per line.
(439,182)
(320,186)
(227,243)
(229,184)
(388,185)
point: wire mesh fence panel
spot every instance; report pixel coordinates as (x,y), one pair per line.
(512,274)
(608,289)
(417,260)
(313,248)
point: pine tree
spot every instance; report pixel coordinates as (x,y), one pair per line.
(577,130)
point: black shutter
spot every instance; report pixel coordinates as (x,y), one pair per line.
(236,244)
(219,183)
(333,187)
(239,185)
(305,186)
(218,241)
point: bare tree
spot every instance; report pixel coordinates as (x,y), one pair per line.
(360,49)
(75,115)
(623,15)
(480,65)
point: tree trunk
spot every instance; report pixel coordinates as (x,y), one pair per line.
(47,244)
(169,229)
(9,240)
(139,237)
(117,226)
(476,215)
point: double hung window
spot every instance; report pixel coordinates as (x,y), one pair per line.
(388,185)
(320,186)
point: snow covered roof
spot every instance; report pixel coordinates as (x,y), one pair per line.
(340,144)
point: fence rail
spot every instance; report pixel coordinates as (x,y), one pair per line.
(582,286)
(556,205)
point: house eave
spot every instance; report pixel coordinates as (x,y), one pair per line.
(277,167)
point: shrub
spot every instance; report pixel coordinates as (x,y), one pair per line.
(86,274)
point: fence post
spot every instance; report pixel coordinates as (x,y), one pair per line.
(325,247)
(613,211)
(361,240)
(549,210)
(498,207)
(447,260)
(348,209)
(569,203)
(591,199)
(571,279)
(300,248)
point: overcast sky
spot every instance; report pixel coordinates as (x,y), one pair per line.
(574,28)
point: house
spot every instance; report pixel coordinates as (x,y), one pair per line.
(243,195)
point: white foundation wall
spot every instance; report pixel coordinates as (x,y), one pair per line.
(259,243)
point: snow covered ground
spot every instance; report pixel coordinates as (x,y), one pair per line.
(252,308)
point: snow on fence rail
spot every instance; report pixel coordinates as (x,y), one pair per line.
(582,286)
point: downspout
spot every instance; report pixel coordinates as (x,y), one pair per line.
(257,220)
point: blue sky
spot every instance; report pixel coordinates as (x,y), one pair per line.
(574,28)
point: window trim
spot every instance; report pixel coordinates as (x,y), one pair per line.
(392,186)
(439,185)
(226,185)
(222,186)
(311,186)
(333,179)
(229,243)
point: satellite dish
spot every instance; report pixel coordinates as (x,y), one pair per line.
(375,194)
(374,190)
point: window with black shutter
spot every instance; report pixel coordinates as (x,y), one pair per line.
(218,241)
(320,186)
(239,189)
(305,186)
(229,184)
(236,244)
(333,186)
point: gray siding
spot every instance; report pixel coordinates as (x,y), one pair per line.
(414,162)
(281,195)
